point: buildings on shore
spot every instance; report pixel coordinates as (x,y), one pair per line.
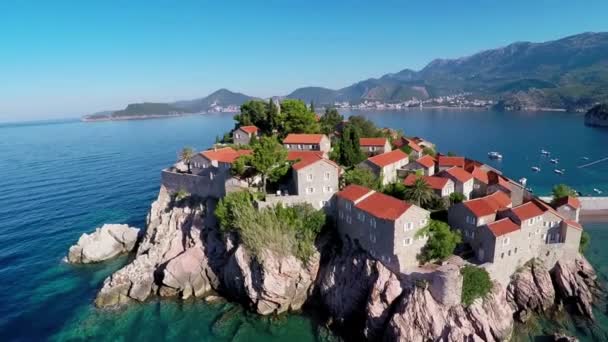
(503,224)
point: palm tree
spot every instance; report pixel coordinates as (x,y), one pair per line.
(419,192)
(186,156)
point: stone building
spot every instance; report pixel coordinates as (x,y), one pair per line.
(463,181)
(443,187)
(447,162)
(417,150)
(244,134)
(569,207)
(374,146)
(384,226)
(386,165)
(425,165)
(307,142)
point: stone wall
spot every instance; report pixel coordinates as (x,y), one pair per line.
(204,185)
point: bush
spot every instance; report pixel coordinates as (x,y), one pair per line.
(585,240)
(456,197)
(441,241)
(181,194)
(363,177)
(476,283)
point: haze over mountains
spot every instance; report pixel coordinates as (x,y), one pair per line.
(570,73)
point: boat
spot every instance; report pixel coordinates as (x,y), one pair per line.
(585,158)
(535,168)
(559,172)
(555,161)
(544,152)
(494,155)
(523,181)
(597,191)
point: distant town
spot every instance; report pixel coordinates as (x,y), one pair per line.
(462,100)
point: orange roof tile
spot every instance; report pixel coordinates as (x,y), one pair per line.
(306,158)
(387,158)
(459,173)
(568,200)
(527,211)
(502,227)
(303,139)
(426,161)
(450,161)
(225,154)
(249,129)
(479,174)
(489,204)
(353,192)
(372,141)
(383,206)
(436,183)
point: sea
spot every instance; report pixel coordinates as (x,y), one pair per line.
(59,179)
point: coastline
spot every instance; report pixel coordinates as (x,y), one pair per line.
(593,209)
(148,117)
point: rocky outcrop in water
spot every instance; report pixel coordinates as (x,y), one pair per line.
(576,284)
(105,243)
(531,290)
(597,116)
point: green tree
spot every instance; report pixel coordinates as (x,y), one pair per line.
(330,120)
(561,191)
(365,127)
(429,151)
(419,192)
(186,155)
(274,116)
(476,283)
(456,197)
(312,106)
(297,118)
(242,169)
(396,190)
(254,112)
(441,241)
(362,177)
(229,206)
(350,150)
(269,158)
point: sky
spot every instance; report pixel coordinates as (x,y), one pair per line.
(63,59)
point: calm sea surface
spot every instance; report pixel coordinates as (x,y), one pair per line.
(61,179)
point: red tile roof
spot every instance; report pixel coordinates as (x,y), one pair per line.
(450,161)
(436,183)
(387,158)
(372,142)
(574,224)
(489,204)
(383,206)
(306,158)
(527,210)
(568,200)
(495,178)
(426,161)
(225,155)
(353,192)
(502,227)
(479,174)
(409,142)
(459,173)
(303,139)
(249,129)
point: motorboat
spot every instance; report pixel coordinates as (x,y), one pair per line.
(597,191)
(535,168)
(559,172)
(494,155)
(554,161)
(544,152)
(585,158)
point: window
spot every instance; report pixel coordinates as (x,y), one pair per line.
(348,206)
(299,147)
(372,237)
(324,204)
(509,253)
(515,250)
(407,242)
(472,234)
(348,219)
(310,190)
(327,189)
(309,177)
(423,222)
(544,237)
(502,255)
(341,214)
(327,175)
(372,222)
(238,136)
(408,226)
(530,222)
(505,241)
(470,219)
(361,217)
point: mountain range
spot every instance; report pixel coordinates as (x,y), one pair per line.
(569,73)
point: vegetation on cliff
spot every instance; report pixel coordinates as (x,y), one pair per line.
(476,283)
(293,117)
(561,191)
(441,241)
(283,230)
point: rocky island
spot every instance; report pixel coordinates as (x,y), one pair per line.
(374,231)
(597,116)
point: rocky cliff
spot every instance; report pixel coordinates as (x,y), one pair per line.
(104,243)
(183,254)
(597,116)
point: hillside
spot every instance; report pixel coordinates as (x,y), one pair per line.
(222,97)
(567,73)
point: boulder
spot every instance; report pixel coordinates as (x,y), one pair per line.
(531,290)
(575,282)
(105,243)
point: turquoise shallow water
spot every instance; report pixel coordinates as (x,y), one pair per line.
(61,179)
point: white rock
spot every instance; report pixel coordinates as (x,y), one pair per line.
(106,242)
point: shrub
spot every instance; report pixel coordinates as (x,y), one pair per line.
(441,241)
(456,197)
(181,194)
(476,283)
(585,241)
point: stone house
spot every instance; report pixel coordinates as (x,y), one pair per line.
(307,142)
(480,180)
(569,207)
(498,182)
(374,146)
(463,181)
(382,225)
(386,165)
(220,158)
(425,165)
(417,150)
(423,142)
(443,187)
(244,134)
(446,162)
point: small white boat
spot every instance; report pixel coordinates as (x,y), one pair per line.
(559,172)
(544,152)
(585,158)
(494,155)
(555,161)
(597,191)
(535,168)
(523,181)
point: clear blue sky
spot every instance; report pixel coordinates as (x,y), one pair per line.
(68,58)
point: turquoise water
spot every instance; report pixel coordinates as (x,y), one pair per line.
(61,179)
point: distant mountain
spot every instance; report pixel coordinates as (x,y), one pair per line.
(567,73)
(221,98)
